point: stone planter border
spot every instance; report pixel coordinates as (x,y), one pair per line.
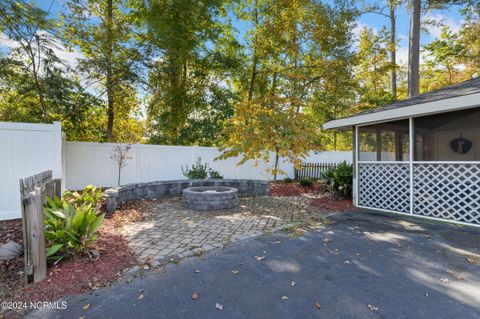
(118,195)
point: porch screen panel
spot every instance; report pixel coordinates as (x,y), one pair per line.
(450,191)
(384,186)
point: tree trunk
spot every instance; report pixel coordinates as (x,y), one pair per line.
(393,47)
(335,140)
(255,58)
(414,50)
(109,86)
(276,165)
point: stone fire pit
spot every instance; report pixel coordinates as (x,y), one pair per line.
(210,198)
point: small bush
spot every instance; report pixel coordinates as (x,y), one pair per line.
(71,223)
(306,182)
(214,174)
(339,180)
(90,195)
(198,171)
(288,180)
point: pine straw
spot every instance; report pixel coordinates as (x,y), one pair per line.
(328,204)
(295,189)
(75,275)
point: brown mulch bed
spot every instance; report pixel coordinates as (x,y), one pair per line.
(75,275)
(295,189)
(328,204)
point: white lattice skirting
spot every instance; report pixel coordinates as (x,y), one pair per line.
(384,185)
(450,191)
(441,190)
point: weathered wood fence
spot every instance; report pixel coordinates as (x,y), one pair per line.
(313,170)
(33,191)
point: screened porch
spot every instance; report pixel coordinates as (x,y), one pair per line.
(426,165)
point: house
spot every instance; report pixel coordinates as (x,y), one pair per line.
(420,156)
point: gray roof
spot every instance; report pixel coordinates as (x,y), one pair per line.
(464,88)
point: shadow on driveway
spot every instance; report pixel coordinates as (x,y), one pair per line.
(408,268)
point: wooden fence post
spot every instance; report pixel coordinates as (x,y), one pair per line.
(34,191)
(57,188)
(36,235)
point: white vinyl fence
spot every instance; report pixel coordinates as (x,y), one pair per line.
(91,163)
(26,149)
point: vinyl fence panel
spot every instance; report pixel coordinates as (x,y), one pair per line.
(91,163)
(26,149)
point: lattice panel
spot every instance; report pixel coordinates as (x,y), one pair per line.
(449,191)
(384,185)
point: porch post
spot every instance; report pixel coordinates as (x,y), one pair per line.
(411,149)
(355,165)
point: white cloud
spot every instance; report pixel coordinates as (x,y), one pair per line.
(440,19)
(69,57)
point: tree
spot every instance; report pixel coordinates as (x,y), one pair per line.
(414,49)
(392,4)
(193,56)
(373,69)
(29,28)
(442,60)
(294,48)
(102,30)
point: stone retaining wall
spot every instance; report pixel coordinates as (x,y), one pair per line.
(122,194)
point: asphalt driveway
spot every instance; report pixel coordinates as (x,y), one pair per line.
(363,265)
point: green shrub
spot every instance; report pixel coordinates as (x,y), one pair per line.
(90,195)
(198,171)
(306,182)
(71,223)
(214,174)
(287,180)
(339,180)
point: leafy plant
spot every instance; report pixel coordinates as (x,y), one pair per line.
(71,223)
(90,195)
(339,180)
(214,174)
(198,171)
(306,182)
(288,180)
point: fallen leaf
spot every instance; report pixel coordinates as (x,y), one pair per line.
(86,306)
(293,284)
(473,260)
(219,306)
(146,267)
(140,296)
(235,271)
(444,280)
(317,305)
(372,307)
(459,277)
(284,298)
(195,296)
(259,258)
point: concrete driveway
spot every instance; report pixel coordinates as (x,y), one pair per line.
(363,265)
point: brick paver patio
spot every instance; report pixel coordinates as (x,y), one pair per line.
(173,231)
